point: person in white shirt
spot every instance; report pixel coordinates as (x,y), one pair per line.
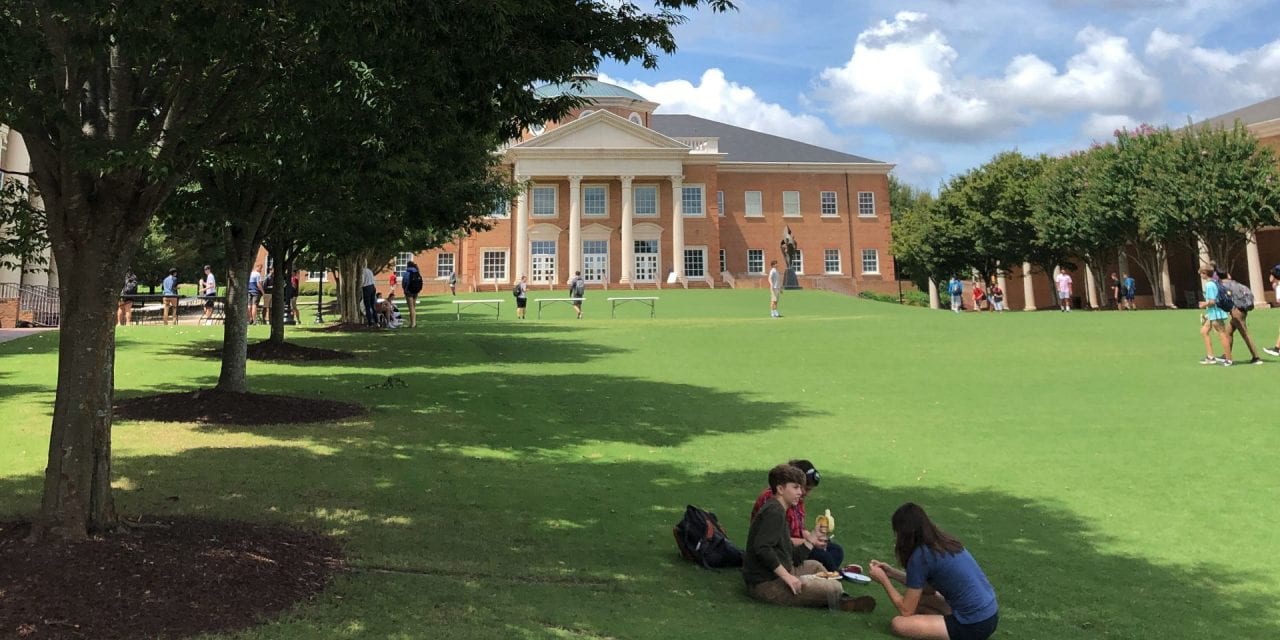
(370,294)
(208,290)
(775,289)
(1063,281)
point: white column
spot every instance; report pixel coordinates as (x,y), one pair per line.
(1255,270)
(522,232)
(1028,289)
(1123,261)
(1205,258)
(677,226)
(1000,282)
(575,226)
(1092,284)
(628,237)
(17,160)
(933,295)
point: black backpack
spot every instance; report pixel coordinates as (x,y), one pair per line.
(702,540)
(1223,301)
(413,282)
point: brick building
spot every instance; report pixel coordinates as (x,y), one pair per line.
(634,199)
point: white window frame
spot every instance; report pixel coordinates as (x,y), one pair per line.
(402,263)
(440,263)
(501,209)
(585,112)
(759,271)
(791,209)
(874,254)
(587,213)
(313,276)
(700,250)
(702,200)
(826,262)
(585,253)
(555,200)
(657,244)
(657,201)
(867,204)
(720,203)
(832,211)
(798,264)
(484,264)
(636,118)
(750,211)
(545,278)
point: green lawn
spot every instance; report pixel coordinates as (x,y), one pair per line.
(525,483)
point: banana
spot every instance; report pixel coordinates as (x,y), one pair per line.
(826,520)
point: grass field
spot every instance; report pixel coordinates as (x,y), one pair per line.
(525,482)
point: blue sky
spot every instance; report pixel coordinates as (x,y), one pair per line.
(939,86)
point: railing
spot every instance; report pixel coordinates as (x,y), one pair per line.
(701,144)
(42,303)
(8,290)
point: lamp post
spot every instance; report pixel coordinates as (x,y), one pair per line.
(320,295)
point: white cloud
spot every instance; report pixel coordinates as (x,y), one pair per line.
(902,76)
(1215,79)
(716,98)
(1102,127)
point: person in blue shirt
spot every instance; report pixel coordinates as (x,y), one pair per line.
(947,597)
(170,290)
(1214,319)
(1128,289)
(955,289)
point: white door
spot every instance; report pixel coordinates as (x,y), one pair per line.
(646,260)
(544,260)
(595,261)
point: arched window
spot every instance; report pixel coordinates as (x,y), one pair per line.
(635,117)
(585,113)
(536,129)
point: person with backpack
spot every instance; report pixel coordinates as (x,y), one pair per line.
(1241,305)
(935,563)
(577,289)
(268,284)
(453,283)
(521,293)
(775,570)
(1217,311)
(825,551)
(124,310)
(956,290)
(412,287)
(1130,291)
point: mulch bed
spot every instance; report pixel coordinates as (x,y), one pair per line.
(168,579)
(210,406)
(293,353)
(345,327)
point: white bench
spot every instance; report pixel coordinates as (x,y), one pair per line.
(542,301)
(652,301)
(459,305)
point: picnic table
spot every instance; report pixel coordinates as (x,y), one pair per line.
(652,301)
(542,301)
(149,307)
(496,303)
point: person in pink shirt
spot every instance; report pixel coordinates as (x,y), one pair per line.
(1063,282)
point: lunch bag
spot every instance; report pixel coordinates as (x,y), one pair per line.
(702,540)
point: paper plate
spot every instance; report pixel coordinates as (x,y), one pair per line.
(855,577)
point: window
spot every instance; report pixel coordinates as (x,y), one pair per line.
(493,265)
(797,262)
(755,261)
(831,261)
(754,204)
(720,203)
(595,260)
(829,204)
(595,200)
(646,200)
(691,198)
(402,263)
(544,201)
(585,113)
(313,276)
(635,117)
(866,203)
(870,261)
(537,129)
(501,209)
(695,263)
(722,267)
(791,203)
(444,265)
(544,260)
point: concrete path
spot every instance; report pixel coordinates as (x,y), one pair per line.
(13,334)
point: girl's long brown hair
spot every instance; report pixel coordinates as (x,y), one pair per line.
(913,529)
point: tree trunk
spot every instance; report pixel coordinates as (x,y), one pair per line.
(1149,260)
(349,295)
(280,296)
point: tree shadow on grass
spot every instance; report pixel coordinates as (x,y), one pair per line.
(544,543)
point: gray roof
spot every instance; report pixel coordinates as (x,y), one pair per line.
(1252,114)
(589,87)
(745,145)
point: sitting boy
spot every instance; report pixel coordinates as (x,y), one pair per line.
(770,559)
(830,554)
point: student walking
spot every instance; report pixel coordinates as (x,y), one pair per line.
(935,563)
(412,287)
(453,283)
(577,290)
(1214,319)
(1130,291)
(169,289)
(775,289)
(521,293)
(1241,305)
(1063,286)
(956,290)
(255,292)
(1117,291)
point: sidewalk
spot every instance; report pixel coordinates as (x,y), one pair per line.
(13,334)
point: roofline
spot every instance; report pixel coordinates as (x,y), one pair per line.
(1266,128)
(809,167)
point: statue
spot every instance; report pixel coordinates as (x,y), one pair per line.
(790,251)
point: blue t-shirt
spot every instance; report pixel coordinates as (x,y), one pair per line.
(254,279)
(1212,312)
(1129,285)
(958,578)
(170,286)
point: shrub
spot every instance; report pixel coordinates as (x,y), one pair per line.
(909,298)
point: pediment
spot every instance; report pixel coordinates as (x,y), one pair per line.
(602,130)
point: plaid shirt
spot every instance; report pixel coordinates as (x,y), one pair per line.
(795,515)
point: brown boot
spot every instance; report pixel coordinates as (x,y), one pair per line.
(860,604)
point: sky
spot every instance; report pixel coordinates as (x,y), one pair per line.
(938,87)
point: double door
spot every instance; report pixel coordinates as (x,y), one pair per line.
(646,254)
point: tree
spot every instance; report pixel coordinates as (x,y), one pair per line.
(117,101)
(992,207)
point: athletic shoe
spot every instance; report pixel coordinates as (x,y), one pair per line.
(860,604)
(1256,361)
(1272,351)
(1227,363)
(1208,360)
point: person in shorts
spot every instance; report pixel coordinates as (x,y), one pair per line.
(124,310)
(979,296)
(935,564)
(996,294)
(775,289)
(255,292)
(1130,291)
(169,289)
(577,290)
(1214,319)
(955,289)
(775,570)
(1239,315)
(1062,283)
(208,291)
(521,293)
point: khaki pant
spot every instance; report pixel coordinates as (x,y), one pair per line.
(814,591)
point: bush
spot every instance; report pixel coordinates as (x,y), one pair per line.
(909,298)
(309,289)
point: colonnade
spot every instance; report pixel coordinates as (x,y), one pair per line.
(15,164)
